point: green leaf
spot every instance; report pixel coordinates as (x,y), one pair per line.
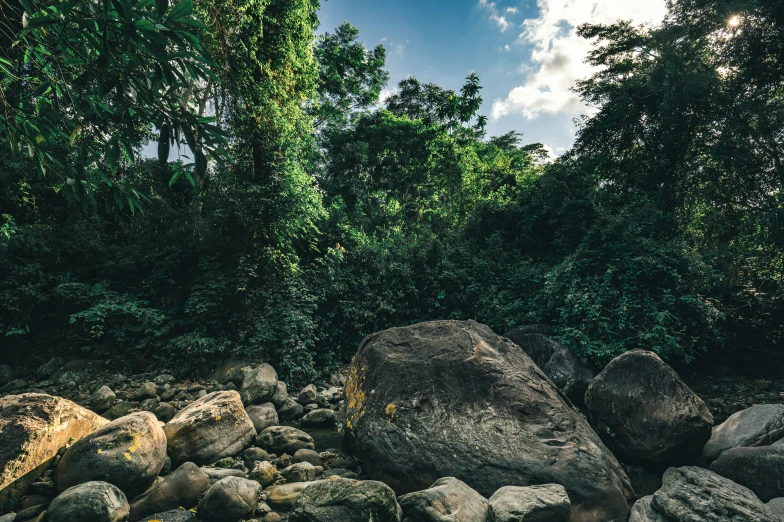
(144,25)
(181,10)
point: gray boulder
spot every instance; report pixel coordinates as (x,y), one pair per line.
(321,418)
(760,425)
(230,499)
(571,375)
(696,494)
(777,506)
(128,453)
(761,469)
(548,503)
(308,394)
(262,416)
(47,369)
(447,499)
(148,390)
(101,400)
(78,371)
(282,498)
(451,398)
(182,488)
(209,429)
(645,413)
(284,439)
(290,410)
(344,500)
(89,502)
(258,384)
(299,472)
(280,396)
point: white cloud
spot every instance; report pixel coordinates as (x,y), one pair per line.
(511,10)
(495,16)
(558,53)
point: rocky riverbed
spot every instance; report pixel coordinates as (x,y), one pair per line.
(432,422)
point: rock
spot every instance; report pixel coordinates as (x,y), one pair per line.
(209,429)
(182,488)
(258,384)
(761,469)
(175,515)
(343,500)
(281,498)
(263,416)
(7,374)
(33,428)
(281,394)
(230,370)
(299,472)
(101,400)
(571,375)
(232,498)
(321,418)
(756,426)
(645,413)
(128,452)
(31,512)
(121,409)
(264,473)
(8,517)
(78,371)
(216,474)
(48,369)
(308,394)
(548,503)
(89,502)
(164,412)
(252,455)
(284,439)
(451,398)
(164,378)
(696,494)
(777,507)
(148,390)
(291,410)
(307,455)
(447,499)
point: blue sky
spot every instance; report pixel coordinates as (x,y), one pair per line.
(525,52)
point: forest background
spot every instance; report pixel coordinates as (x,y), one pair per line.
(305,214)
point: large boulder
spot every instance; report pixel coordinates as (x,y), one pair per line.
(571,375)
(447,499)
(761,469)
(101,400)
(548,503)
(209,429)
(760,425)
(230,499)
(696,494)
(89,502)
(182,488)
(128,452)
(645,413)
(33,428)
(451,398)
(284,439)
(345,500)
(320,418)
(259,384)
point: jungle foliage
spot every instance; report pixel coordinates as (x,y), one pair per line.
(309,214)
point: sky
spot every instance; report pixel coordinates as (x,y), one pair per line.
(526,52)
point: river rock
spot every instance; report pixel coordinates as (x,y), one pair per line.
(33,428)
(182,488)
(78,371)
(231,370)
(761,469)
(696,494)
(447,499)
(760,425)
(48,369)
(101,400)
(263,416)
(264,473)
(230,499)
(258,384)
(548,503)
(282,498)
(777,506)
(128,452)
(343,500)
(307,455)
(284,439)
(209,429)
(321,418)
(299,472)
(451,398)
(308,394)
(281,394)
(290,410)
(571,375)
(148,390)
(164,412)
(645,413)
(89,502)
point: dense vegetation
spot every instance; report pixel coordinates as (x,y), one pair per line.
(308,215)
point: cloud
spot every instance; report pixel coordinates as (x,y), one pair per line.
(557,58)
(495,16)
